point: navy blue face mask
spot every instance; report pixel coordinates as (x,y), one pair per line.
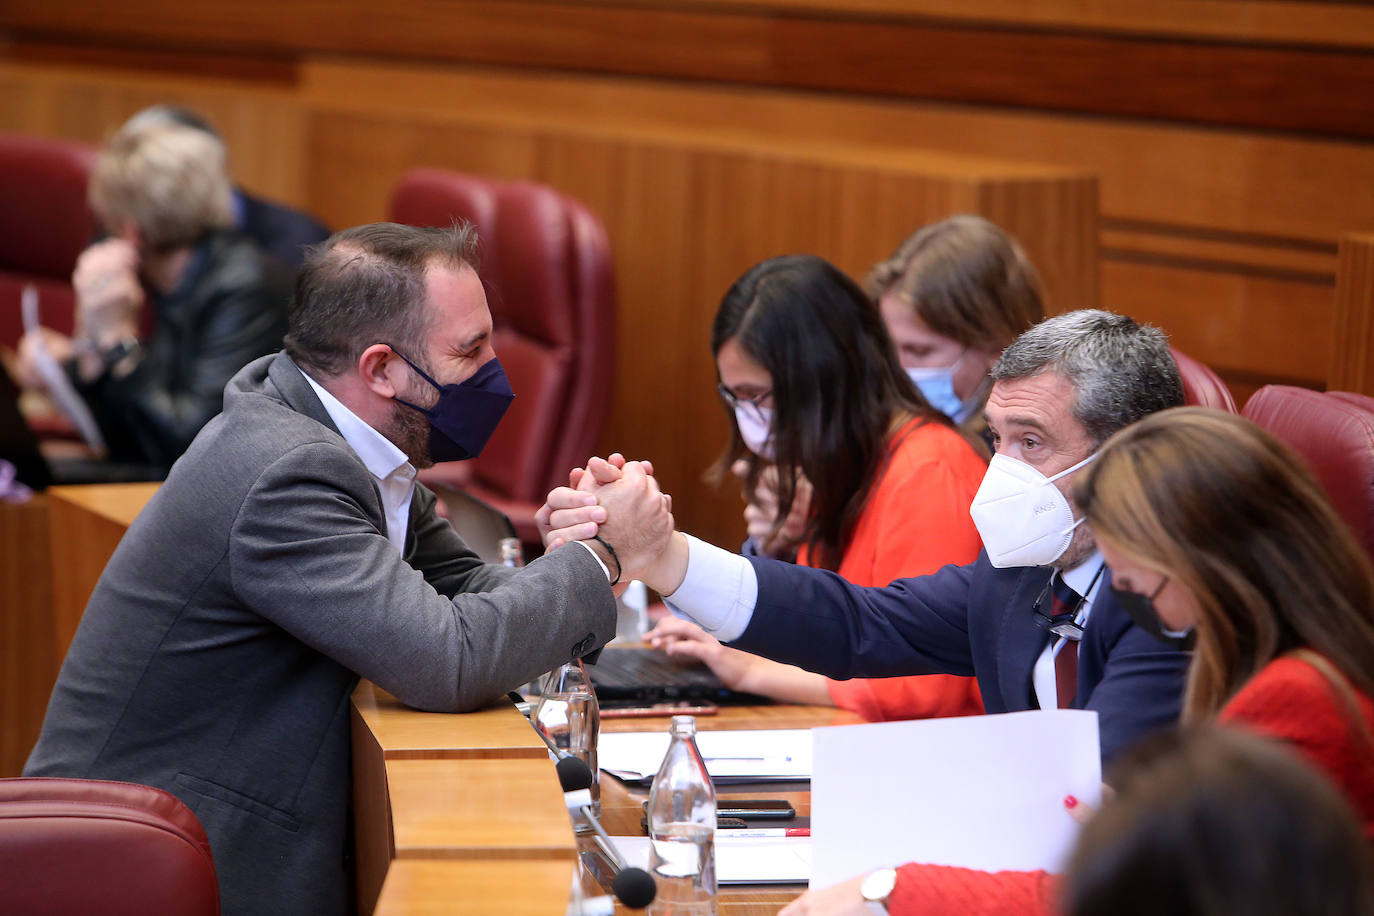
(1141,609)
(466,414)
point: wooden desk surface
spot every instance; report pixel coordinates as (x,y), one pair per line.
(621,804)
(115,502)
(498,732)
(416,887)
(478,809)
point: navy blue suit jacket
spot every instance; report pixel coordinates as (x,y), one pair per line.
(970,620)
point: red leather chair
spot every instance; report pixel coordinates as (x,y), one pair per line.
(86,846)
(1201,386)
(546,266)
(1334,433)
(44,225)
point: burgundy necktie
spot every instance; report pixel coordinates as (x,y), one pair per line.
(1064,600)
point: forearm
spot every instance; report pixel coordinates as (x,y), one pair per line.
(786,683)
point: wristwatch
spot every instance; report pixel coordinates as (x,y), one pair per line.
(876,888)
(113,355)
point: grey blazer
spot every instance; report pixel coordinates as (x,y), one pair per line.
(217,655)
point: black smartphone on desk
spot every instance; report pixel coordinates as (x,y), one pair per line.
(751,809)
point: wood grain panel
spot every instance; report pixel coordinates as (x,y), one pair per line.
(373,846)
(1352,339)
(85,525)
(478,810)
(28,663)
(1173,178)
(901,54)
(513,888)
(1244,327)
(262,124)
(498,732)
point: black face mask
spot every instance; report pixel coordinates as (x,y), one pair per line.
(1141,609)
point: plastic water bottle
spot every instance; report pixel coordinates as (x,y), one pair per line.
(512,552)
(682,828)
(632,613)
(569,716)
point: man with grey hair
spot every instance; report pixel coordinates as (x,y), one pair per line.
(1018,618)
(162,194)
(1034,618)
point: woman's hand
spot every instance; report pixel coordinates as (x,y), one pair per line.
(761,511)
(678,637)
(837,900)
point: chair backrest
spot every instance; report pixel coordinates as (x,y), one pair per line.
(546,266)
(44,224)
(481,525)
(87,846)
(1334,433)
(1201,386)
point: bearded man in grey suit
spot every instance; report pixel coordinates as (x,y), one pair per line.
(290,551)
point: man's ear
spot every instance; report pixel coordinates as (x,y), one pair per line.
(379,369)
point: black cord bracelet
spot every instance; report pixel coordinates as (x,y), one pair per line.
(611,550)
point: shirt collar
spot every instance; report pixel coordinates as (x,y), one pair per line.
(378,453)
(1081,578)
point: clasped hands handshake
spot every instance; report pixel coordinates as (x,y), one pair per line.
(618,501)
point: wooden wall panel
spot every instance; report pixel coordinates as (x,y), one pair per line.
(1352,339)
(28,662)
(685,219)
(262,123)
(903,53)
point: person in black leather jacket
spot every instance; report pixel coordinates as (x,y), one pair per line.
(216,300)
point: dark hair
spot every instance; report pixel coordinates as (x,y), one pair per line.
(1214,822)
(1121,371)
(366,285)
(838,390)
(1234,516)
(967,280)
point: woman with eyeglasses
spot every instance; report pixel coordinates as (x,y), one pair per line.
(1216,534)
(821,408)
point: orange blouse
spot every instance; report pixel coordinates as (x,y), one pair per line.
(915,521)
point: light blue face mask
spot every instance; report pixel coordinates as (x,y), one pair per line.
(937,386)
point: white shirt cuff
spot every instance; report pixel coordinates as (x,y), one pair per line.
(718,593)
(587,547)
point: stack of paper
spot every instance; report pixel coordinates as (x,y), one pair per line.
(980,792)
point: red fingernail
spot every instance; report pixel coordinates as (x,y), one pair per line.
(1070,802)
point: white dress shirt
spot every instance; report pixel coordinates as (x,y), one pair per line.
(388,465)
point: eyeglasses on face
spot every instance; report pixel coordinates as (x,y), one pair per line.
(752,405)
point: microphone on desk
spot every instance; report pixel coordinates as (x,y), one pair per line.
(633,887)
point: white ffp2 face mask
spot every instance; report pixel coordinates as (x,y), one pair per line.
(756,430)
(1022,517)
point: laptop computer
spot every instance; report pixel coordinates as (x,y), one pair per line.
(625,675)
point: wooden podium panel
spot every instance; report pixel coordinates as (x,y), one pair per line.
(498,732)
(85,524)
(28,665)
(478,809)
(417,887)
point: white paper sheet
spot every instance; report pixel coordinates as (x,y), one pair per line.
(753,755)
(55,380)
(740,860)
(979,792)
